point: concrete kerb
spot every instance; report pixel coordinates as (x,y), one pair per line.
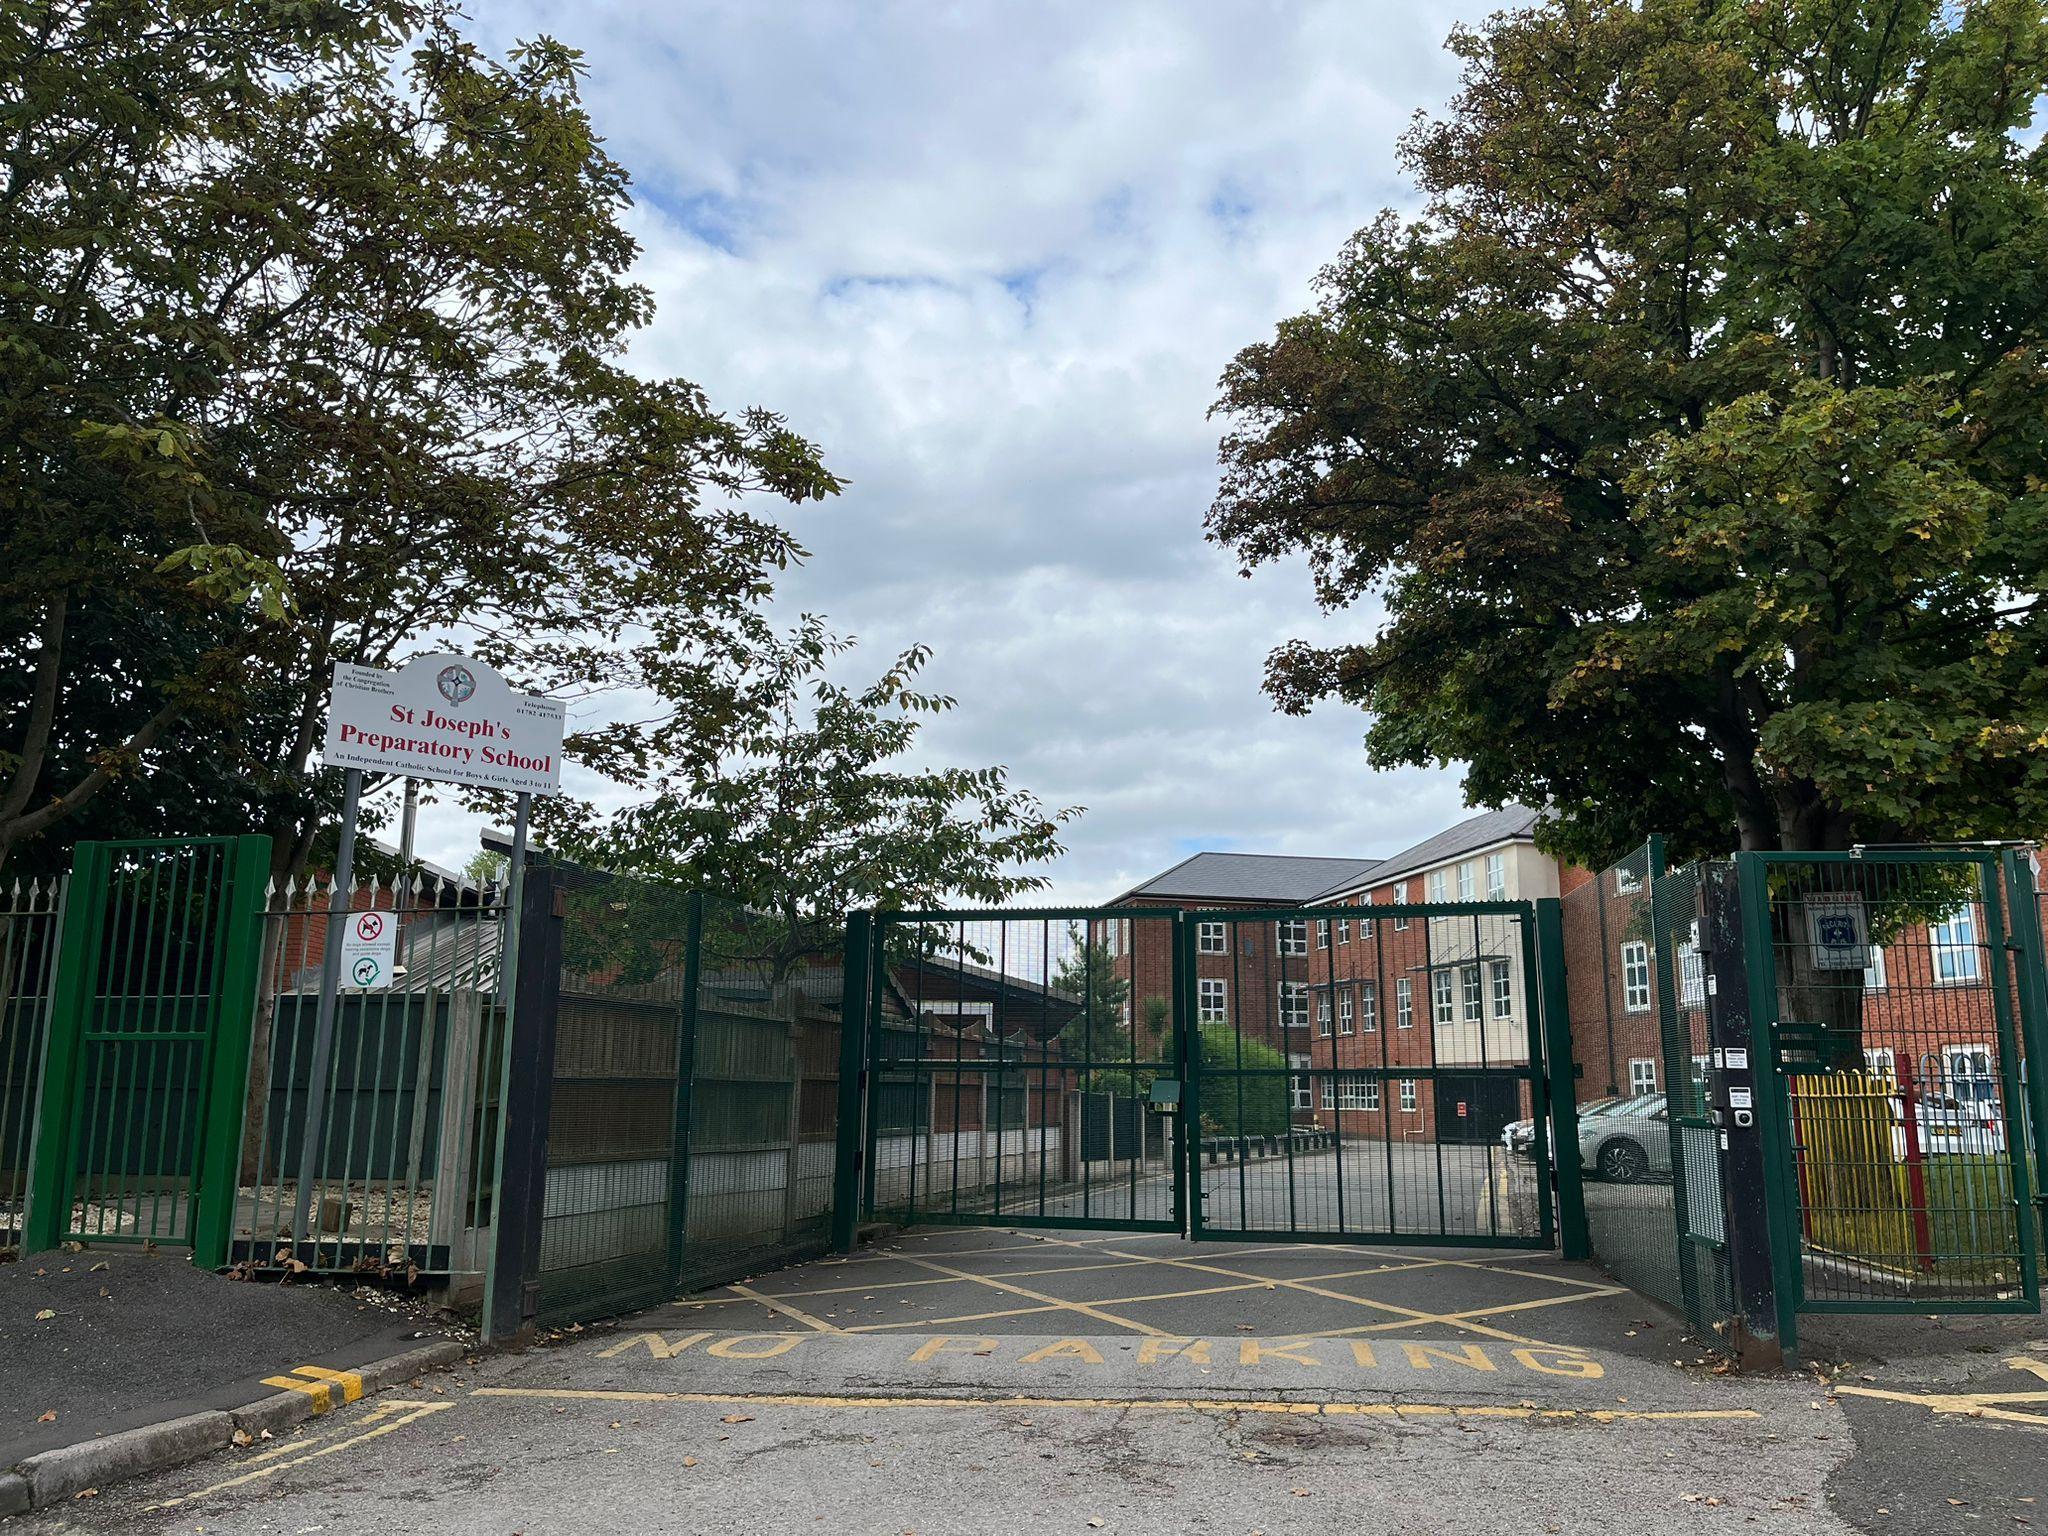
(52,1476)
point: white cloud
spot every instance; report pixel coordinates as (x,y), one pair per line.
(994,258)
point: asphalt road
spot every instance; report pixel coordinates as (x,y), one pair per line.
(987,1380)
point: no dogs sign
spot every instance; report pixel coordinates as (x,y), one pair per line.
(369,949)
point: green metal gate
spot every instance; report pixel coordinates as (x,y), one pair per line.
(137,1137)
(1325,1074)
(1896,1097)
(1011,1064)
(1358,1073)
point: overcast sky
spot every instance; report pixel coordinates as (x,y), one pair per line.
(993,258)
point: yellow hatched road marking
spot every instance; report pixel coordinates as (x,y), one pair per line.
(395,1414)
(1028,1294)
(907,1324)
(1407,1314)
(1127,1404)
(775,1304)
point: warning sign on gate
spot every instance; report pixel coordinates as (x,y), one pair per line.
(369,949)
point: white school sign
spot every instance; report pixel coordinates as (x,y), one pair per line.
(444,717)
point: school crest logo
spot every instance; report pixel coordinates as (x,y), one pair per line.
(456,683)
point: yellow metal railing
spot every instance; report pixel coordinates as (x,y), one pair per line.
(1862,1187)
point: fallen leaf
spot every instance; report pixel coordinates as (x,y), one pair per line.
(689,1461)
(86,1493)
(48,1416)
(45,1315)
(242,1437)
(737,1418)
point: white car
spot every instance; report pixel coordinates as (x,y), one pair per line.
(1949,1126)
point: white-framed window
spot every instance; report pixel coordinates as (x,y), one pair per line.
(1113,937)
(1323,1014)
(1626,881)
(1351,1094)
(1294,1005)
(1954,944)
(1329,1094)
(1443,997)
(1873,973)
(1322,933)
(1346,1013)
(1468,880)
(1407,1095)
(1369,1006)
(1471,993)
(1496,876)
(1635,976)
(1692,976)
(1343,930)
(1438,883)
(1404,1003)
(1968,1073)
(1369,1094)
(1400,896)
(1365,923)
(1882,1061)
(1299,1088)
(1642,1076)
(1291,935)
(1124,1013)
(1210,939)
(1503,980)
(1212,999)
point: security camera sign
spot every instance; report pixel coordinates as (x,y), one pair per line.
(1839,932)
(369,949)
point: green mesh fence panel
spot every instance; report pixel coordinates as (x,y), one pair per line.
(1639,1033)
(695,1095)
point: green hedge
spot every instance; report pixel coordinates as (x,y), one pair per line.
(1242,1106)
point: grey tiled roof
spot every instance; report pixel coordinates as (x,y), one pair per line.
(1276,877)
(1475,832)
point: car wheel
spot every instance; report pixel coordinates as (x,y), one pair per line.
(1623,1162)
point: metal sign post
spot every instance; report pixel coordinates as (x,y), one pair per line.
(441,717)
(323,1020)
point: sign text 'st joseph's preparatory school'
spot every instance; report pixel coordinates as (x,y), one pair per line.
(448,718)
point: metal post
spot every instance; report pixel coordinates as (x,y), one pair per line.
(338,895)
(408,824)
(1761,1331)
(686,1090)
(2030,964)
(227,1098)
(1560,1071)
(519,1188)
(508,963)
(854,990)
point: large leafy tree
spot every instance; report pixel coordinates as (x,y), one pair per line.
(312,320)
(808,803)
(1694,431)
